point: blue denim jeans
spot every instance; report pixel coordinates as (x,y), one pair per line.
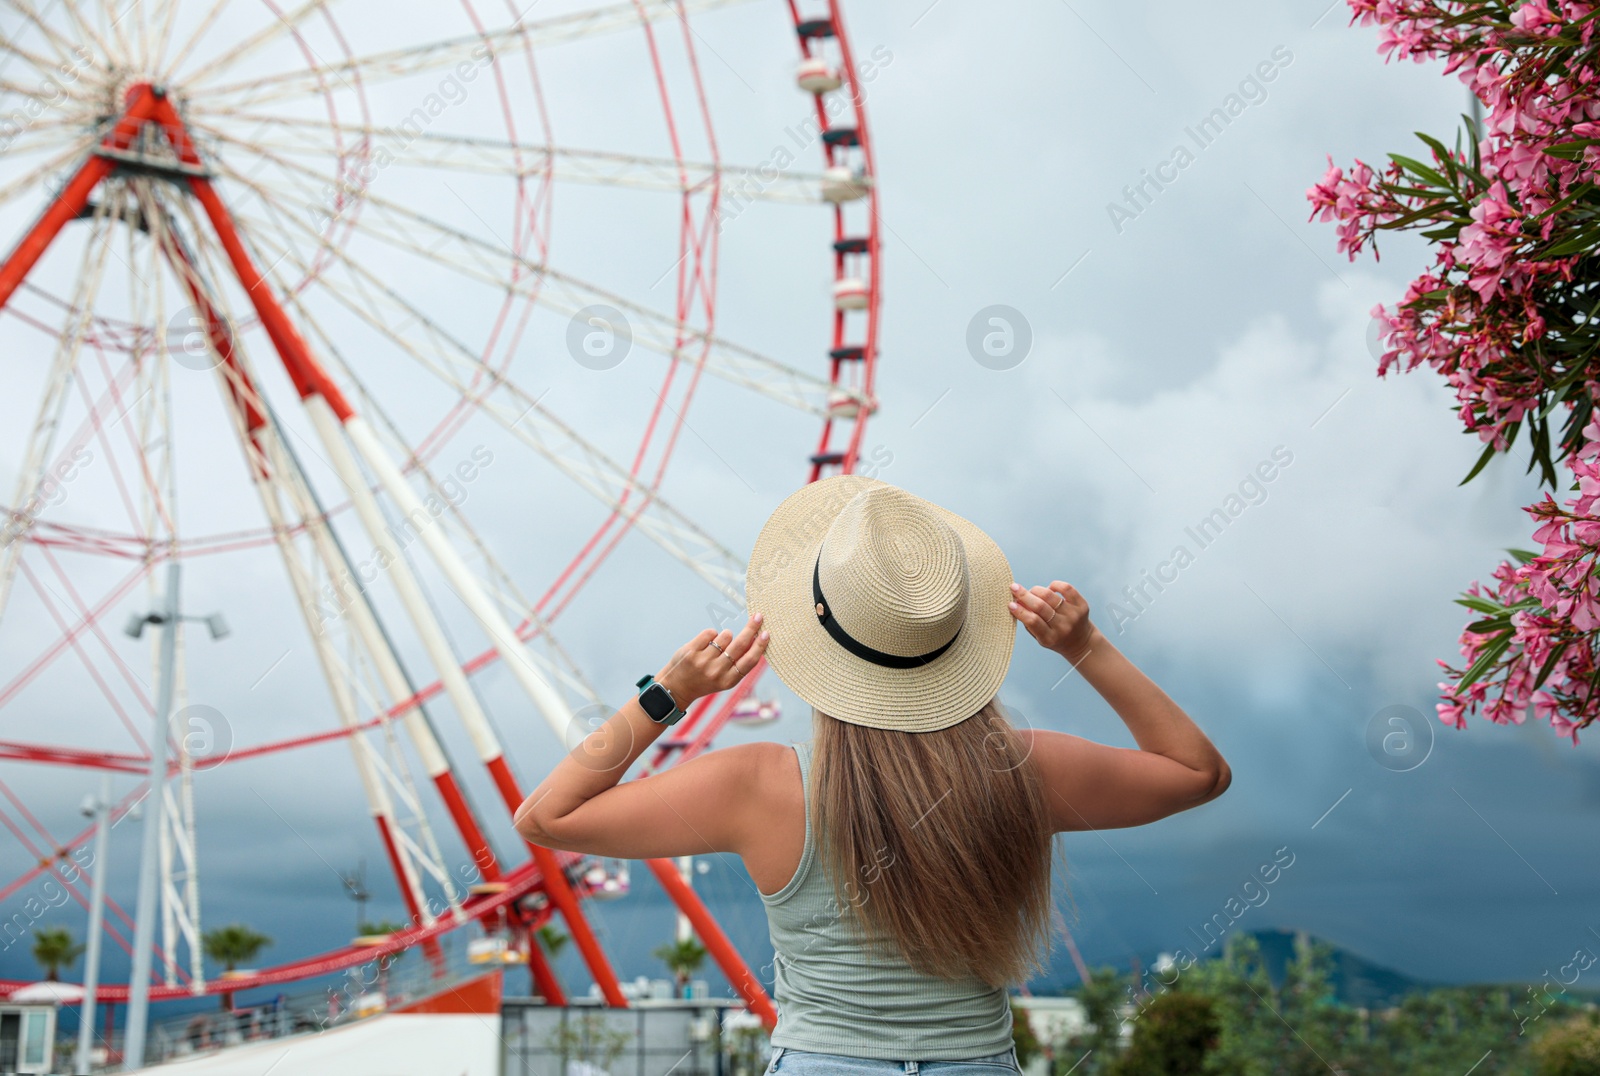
(787,1062)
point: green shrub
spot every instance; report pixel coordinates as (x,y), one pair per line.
(1022,1036)
(1174,1034)
(1570,1048)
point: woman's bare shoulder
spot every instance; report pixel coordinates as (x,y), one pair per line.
(761,767)
(774,829)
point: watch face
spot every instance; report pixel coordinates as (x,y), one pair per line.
(656,702)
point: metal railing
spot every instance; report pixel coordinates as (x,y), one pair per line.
(369,989)
(653,1038)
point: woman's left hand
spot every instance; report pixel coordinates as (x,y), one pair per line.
(713,661)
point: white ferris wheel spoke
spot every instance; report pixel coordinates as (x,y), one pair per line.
(85,31)
(283,492)
(123,20)
(138,30)
(496,579)
(65,48)
(163,40)
(118,396)
(67,149)
(291,509)
(25,502)
(478,259)
(46,132)
(561,666)
(266,35)
(42,65)
(73,116)
(459,366)
(435,55)
(435,150)
(213,13)
(455,363)
(114,25)
(155,399)
(29,182)
(149,11)
(531,669)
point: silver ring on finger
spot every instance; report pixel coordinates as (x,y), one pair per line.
(718,649)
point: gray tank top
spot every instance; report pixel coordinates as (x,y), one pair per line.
(839,993)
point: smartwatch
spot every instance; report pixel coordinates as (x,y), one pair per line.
(657,702)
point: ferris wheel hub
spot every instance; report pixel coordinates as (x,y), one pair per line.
(126,86)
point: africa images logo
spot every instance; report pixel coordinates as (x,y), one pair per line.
(1251,490)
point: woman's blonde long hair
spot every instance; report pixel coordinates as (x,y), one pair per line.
(940,841)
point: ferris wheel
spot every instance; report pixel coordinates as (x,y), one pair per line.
(348,226)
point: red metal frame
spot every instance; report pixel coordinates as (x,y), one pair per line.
(144,105)
(715,941)
(828,459)
(74,196)
(311,379)
(245,398)
(148,104)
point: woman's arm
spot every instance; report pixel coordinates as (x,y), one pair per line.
(691,808)
(1093,786)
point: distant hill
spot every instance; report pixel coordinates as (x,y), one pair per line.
(1357,982)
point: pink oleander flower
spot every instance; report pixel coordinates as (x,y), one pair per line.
(1533,17)
(1505,316)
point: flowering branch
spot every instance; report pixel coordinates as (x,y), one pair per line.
(1508,315)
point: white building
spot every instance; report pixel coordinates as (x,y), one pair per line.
(27,1036)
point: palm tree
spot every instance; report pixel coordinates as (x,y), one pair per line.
(231,946)
(552,941)
(684,958)
(54,949)
(385,962)
(234,944)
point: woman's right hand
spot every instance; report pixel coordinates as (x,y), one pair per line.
(1057,616)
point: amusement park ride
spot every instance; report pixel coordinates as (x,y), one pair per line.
(235,184)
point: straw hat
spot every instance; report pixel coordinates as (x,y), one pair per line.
(882,609)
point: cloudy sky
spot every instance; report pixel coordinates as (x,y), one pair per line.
(1171,353)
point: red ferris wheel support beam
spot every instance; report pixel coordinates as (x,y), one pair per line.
(311,379)
(148,104)
(246,399)
(74,196)
(246,396)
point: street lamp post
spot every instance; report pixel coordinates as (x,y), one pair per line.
(154,814)
(100,809)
